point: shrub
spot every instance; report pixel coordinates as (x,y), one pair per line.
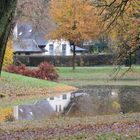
(16,69)
(5,114)
(44,71)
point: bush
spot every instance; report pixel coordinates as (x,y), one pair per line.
(16,69)
(44,71)
(5,114)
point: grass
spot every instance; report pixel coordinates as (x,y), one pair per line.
(17,89)
(94,128)
(20,80)
(107,75)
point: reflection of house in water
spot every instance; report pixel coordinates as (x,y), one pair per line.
(47,107)
(89,101)
(42,108)
(59,103)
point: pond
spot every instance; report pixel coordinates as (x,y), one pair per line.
(87,101)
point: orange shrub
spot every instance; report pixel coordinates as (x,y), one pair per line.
(5,114)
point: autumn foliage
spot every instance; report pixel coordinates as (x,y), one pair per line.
(44,71)
(122,20)
(5,114)
(8,58)
(76,20)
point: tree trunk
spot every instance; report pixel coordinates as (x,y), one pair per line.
(73,59)
(130,60)
(7,11)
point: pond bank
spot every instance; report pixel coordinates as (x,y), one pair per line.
(17,89)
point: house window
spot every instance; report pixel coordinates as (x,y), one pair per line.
(59,108)
(56,109)
(27,53)
(64,97)
(51,98)
(51,49)
(63,49)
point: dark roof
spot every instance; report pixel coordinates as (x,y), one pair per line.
(24,31)
(38,110)
(78,49)
(40,38)
(27,45)
(29,40)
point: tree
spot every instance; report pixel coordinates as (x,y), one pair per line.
(34,12)
(101,45)
(76,21)
(122,21)
(7,9)
(127,39)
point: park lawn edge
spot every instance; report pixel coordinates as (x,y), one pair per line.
(36,89)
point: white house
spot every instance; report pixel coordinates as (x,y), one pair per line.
(56,47)
(28,41)
(62,47)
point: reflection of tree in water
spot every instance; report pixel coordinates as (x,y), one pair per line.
(98,102)
(107,100)
(129,99)
(83,106)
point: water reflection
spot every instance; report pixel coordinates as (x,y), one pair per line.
(42,108)
(108,100)
(97,100)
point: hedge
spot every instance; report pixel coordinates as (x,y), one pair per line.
(81,60)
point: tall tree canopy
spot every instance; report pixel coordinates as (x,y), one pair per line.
(76,21)
(7,9)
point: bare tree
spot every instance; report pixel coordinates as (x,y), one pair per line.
(35,12)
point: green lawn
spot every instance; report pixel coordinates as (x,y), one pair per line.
(106,75)
(20,80)
(17,89)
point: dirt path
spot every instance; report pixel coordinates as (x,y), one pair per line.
(69,130)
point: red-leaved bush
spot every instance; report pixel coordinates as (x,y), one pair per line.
(44,71)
